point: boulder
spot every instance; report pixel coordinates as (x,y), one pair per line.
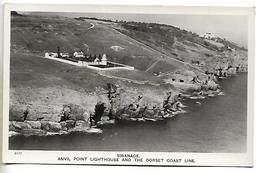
(149,113)
(103,122)
(12,133)
(29,132)
(70,124)
(81,124)
(124,116)
(232,71)
(133,110)
(54,127)
(34,124)
(211,85)
(94,130)
(64,125)
(104,118)
(14,126)
(17,126)
(51,126)
(45,125)
(86,116)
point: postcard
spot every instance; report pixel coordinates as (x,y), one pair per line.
(128,85)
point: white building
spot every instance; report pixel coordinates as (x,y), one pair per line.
(208,35)
(85,61)
(78,54)
(51,54)
(65,55)
(99,61)
(104,60)
(96,61)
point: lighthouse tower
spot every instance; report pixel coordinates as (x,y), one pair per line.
(104,60)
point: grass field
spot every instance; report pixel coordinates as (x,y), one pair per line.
(71,35)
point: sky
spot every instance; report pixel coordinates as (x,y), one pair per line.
(232,27)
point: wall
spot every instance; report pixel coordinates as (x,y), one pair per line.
(86,64)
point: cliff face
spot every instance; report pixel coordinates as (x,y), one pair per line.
(47,96)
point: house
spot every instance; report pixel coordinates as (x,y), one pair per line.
(51,54)
(97,60)
(208,35)
(78,54)
(55,55)
(65,55)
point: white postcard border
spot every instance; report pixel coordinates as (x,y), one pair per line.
(201,159)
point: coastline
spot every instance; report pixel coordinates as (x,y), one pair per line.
(49,128)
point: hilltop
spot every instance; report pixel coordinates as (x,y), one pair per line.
(166,59)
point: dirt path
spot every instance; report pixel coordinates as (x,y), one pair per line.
(92,26)
(128,80)
(152,65)
(133,41)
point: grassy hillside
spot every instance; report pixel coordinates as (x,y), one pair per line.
(40,34)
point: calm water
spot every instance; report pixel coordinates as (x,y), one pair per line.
(217,125)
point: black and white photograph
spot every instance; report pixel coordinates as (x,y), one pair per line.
(127,83)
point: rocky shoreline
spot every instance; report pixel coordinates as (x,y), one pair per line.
(83,122)
(44,128)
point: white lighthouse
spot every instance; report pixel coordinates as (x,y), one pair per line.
(104,59)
